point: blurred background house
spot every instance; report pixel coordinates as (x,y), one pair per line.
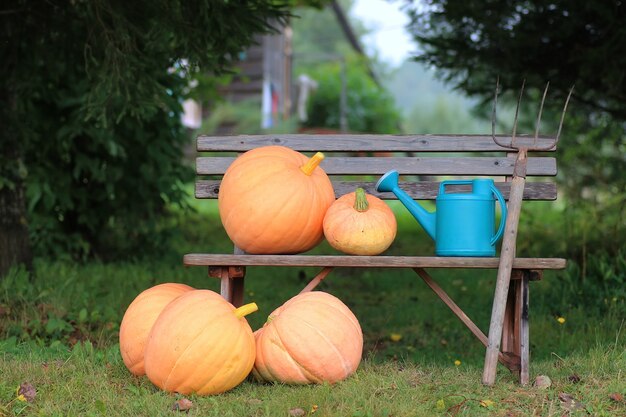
(264,77)
(344,67)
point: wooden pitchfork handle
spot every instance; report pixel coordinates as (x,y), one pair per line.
(505,267)
(510,231)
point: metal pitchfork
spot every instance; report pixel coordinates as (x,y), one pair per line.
(510,232)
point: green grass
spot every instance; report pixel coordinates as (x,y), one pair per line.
(58,331)
(94,382)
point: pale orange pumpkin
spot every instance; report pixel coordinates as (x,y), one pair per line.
(200,344)
(360,224)
(139,318)
(273,199)
(312,338)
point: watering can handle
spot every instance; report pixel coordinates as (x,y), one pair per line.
(452,182)
(499,196)
(503,211)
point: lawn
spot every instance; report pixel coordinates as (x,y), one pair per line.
(58,333)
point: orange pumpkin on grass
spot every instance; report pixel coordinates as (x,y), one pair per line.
(200,344)
(360,224)
(139,319)
(312,338)
(273,199)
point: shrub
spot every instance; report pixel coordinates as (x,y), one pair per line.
(369,107)
(592,237)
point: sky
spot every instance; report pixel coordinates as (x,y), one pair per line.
(387,22)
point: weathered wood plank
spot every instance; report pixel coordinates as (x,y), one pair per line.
(365,143)
(405,166)
(423,190)
(199,259)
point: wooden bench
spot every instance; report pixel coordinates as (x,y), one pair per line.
(349,164)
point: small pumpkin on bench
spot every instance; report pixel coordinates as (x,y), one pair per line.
(358,223)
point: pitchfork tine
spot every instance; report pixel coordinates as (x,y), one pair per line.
(558,133)
(519,100)
(538,124)
(493,115)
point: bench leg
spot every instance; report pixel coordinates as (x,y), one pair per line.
(231,283)
(515,332)
(510,361)
(317,279)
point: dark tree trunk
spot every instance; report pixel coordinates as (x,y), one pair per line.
(14,239)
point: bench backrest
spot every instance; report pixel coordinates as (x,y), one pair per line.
(349,163)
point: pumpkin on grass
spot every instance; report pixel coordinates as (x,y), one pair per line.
(200,344)
(139,318)
(360,224)
(273,199)
(312,338)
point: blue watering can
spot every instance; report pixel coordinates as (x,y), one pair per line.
(463,223)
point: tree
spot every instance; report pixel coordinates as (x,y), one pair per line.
(472,42)
(91,92)
(320,46)
(566,42)
(317,33)
(369,107)
(325,35)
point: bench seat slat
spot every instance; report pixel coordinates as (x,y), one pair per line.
(405,165)
(196,259)
(365,143)
(422,190)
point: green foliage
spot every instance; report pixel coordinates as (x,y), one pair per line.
(319,45)
(446,115)
(592,159)
(317,35)
(369,107)
(241,118)
(593,240)
(37,311)
(565,43)
(92,124)
(101,189)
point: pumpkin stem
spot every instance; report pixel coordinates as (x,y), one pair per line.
(246,309)
(360,202)
(312,163)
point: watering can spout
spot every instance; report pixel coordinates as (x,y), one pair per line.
(389,183)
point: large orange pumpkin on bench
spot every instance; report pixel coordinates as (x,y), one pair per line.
(312,338)
(273,199)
